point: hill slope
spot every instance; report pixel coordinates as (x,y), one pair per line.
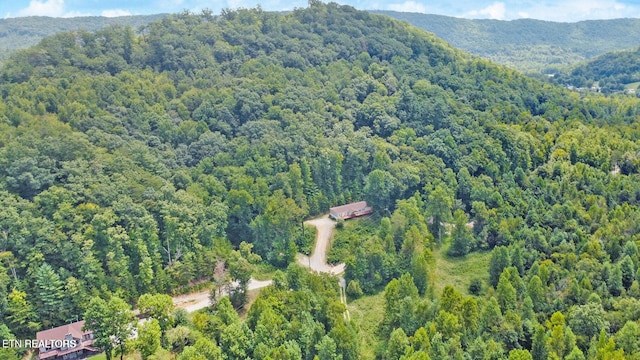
(611,72)
(527,44)
(20,33)
(140,164)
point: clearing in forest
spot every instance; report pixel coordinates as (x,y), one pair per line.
(458,272)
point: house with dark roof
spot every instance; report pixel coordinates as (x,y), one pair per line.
(349,211)
(66,342)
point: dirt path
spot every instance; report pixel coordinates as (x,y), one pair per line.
(318,260)
(200,300)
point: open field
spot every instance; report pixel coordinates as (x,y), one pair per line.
(367,313)
(459,272)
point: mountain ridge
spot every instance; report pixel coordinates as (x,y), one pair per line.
(504,42)
(191,153)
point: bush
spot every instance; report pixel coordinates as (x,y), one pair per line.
(475,287)
(354,289)
(305,243)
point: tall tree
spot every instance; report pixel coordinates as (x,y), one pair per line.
(50,295)
(149,336)
(461,236)
(157,306)
(500,260)
(439,205)
(21,316)
(111,323)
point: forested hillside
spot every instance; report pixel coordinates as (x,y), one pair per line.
(611,72)
(139,164)
(530,45)
(24,32)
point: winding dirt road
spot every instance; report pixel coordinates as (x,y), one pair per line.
(200,300)
(318,260)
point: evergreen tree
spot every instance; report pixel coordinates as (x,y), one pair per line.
(539,348)
(397,345)
(50,296)
(461,236)
(440,204)
(500,260)
(326,349)
(505,292)
(628,271)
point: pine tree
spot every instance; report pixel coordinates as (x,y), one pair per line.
(539,348)
(628,271)
(505,292)
(461,236)
(499,261)
(49,295)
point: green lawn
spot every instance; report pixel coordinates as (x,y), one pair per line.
(367,312)
(458,272)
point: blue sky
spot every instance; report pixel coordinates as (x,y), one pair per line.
(559,10)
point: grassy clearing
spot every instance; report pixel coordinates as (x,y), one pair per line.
(344,239)
(632,85)
(367,312)
(458,272)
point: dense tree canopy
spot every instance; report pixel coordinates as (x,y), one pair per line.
(140,164)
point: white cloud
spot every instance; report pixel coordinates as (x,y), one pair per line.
(495,11)
(53,8)
(408,6)
(115,13)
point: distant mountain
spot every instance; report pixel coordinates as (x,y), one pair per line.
(21,33)
(530,45)
(611,72)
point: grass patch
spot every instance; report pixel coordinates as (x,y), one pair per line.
(344,239)
(633,85)
(367,313)
(263,271)
(458,272)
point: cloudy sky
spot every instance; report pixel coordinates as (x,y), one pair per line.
(558,10)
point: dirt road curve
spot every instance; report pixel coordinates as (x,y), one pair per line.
(200,300)
(318,261)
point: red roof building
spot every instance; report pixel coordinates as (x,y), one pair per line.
(349,211)
(66,342)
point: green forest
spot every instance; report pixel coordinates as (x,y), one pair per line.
(135,165)
(529,45)
(23,32)
(611,72)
